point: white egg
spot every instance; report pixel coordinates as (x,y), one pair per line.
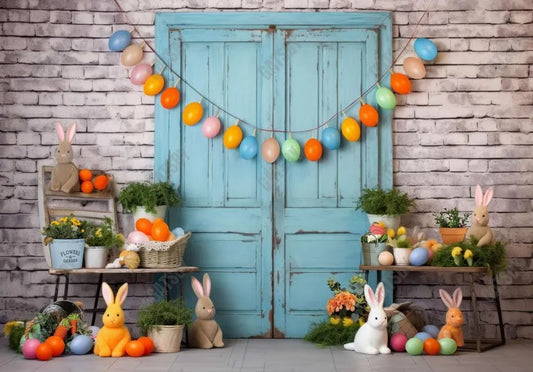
(385,258)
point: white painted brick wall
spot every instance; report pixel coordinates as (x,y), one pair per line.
(467,122)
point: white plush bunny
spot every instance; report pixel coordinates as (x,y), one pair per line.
(372,337)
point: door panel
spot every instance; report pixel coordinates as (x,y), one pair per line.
(270,235)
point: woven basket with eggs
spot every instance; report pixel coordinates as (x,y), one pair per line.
(168,254)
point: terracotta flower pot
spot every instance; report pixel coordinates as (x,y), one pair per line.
(452,235)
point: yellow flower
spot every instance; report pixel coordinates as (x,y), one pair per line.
(381,224)
(334,320)
(456,251)
(82,230)
(347,321)
(54,223)
(391,233)
(468,254)
(63,219)
(401,230)
(98,233)
(120,236)
(361,322)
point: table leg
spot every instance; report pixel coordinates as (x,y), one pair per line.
(65,292)
(498,308)
(473,297)
(165,286)
(96,297)
(56,290)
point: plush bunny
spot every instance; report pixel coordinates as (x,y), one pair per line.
(65,173)
(480,223)
(454,316)
(114,335)
(204,332)
(372,337)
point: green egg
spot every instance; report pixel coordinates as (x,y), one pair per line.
(448,346)
(414,346)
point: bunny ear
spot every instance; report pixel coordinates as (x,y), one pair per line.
(207,284)
(107,293)
(488,196)
(479,195)
(122,293)
(71,131)
(369,295)
(60,132)
(380,294)
(445,297)
(197,287)
(457,297)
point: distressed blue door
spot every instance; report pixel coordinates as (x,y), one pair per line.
(271,235)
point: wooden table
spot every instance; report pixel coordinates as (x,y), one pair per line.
(478,344)
(66,275)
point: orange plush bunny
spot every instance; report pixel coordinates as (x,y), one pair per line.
(114,335)
(454,316)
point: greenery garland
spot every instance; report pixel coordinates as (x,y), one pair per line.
(327,334)
(490,256)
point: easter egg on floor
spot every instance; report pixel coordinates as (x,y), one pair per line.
(448,346)
(81,344)
(414,346)
(29,348)
(385,258)
(431,346)
(398,341)
(419,256)
(422,336)
(433,330)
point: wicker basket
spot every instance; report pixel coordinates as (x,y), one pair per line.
(157,255)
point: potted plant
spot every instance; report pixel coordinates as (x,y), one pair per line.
(384,205)
(148,200)
(452,225)
(401,245)
(64,242)
(98,241)
(164,322)
(373,243)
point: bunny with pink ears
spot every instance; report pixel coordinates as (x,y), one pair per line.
(372,337)
(205,332)
(65,173)
(454,316)
(480,222)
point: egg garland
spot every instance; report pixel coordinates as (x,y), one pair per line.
(291,150)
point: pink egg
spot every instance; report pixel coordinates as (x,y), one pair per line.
(211,127)
(398,341)
(29,348)
(140,73)
(431,253)
(137,237)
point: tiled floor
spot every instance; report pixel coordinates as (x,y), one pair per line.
(282,355)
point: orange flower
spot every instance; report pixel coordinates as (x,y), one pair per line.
(341,301)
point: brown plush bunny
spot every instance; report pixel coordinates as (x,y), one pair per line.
(205,332)
(65,173)
(480,223)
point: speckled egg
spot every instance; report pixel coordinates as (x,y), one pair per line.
(385,258)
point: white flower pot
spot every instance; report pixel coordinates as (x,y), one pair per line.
(401,256)
(95,257)
(140,212)
(391,221)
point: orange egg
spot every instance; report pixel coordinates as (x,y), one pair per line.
(368,115)
(160,232)
(100,182)
(57,345)
(144,225)
(43,352)
(135,348)
(148,344)
(87,187)
(192,113)
(85,175)
(431,346)
(313,149)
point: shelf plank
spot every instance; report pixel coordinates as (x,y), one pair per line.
(459,269)
(181,269)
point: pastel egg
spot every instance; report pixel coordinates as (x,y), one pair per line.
(448,346)
(422,336)
(81,344)
(433,330)
(414,346)
(419,256)
(178,231)
(137,237)
(398,341)
(385,258)
(29,348)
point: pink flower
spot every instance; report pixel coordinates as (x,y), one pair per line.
(377,230)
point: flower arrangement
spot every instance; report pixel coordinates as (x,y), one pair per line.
(451,218)
(376,233)
(398,239)
(103,235)
(65,228)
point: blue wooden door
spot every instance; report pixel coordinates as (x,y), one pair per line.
(271,235)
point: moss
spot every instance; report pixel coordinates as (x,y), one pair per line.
(326,334)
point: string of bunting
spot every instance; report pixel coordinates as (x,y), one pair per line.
(154,84)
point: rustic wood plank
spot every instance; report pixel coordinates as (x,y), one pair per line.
(424,269)
(181,269)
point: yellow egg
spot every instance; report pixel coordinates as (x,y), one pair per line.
(132,260)
(385,258)
(350,129)
(192,113)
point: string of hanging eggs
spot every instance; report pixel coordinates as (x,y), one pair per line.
(154,83)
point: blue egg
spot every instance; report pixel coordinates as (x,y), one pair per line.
(422,336)
(119,41)
(81,344)
(178,231)
(433,330)
(425,49)
(331,138)
(419,256)
(248,147)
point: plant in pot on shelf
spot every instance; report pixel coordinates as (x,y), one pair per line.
(164,322)
(148,200)
(64,242)
(384,205)
(452,225)
(373,243)
(401,245)
(98,241)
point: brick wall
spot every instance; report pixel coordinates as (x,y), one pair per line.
(467,122)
